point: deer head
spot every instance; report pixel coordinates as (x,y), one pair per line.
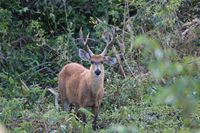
(97,60)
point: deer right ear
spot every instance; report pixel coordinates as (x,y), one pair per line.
(84,55)
(109,60)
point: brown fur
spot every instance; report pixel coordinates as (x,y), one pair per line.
(81,86)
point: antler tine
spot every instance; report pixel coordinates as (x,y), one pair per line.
(86,47)
(109,43)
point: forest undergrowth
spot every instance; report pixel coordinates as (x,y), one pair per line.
(154,87)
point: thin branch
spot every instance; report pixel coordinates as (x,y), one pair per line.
(90,39)
(23,38)
(23,83)
(56,97)
(129,68)
(119,60)
(28,71)
(46,127)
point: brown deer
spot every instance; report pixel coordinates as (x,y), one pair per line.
(85,87)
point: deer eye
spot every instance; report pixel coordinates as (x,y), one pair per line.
(92,62)
(101,62)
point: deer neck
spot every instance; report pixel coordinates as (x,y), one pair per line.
(96,82)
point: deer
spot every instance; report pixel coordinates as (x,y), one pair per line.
(84,87)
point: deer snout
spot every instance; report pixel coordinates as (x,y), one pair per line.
(97,72)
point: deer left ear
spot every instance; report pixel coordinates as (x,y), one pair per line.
(84,55)
(109,60)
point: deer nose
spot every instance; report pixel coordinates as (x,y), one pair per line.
(97,72)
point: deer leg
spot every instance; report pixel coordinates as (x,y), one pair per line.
(70,107)
(66,105)
(84,118)
(95,112)
(82,115)
(76,111)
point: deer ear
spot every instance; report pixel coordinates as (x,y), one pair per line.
(109,60)
(84,55)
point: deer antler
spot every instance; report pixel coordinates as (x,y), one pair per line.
(84,42)
(109,39)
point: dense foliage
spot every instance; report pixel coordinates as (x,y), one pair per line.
(155,87)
